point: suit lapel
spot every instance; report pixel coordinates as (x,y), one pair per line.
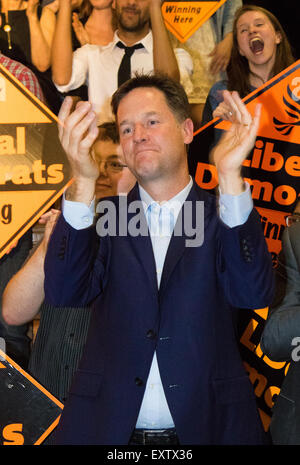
(177,246)
(141,245)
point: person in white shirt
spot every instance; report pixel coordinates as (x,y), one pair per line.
(98,66)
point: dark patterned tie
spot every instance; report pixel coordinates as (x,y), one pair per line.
(124,72)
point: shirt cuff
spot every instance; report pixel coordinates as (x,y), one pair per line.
(78,214)
(235,209)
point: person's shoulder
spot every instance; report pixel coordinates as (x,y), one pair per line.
(292,233)
(219,85)
(18,69)
(91,49)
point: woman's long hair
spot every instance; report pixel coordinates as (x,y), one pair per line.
(86,9)
(238,72)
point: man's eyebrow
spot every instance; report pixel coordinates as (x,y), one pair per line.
(145,115)
(110,157)
(113,156)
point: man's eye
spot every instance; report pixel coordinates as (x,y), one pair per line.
(152,122)
(115,164)
(126,131)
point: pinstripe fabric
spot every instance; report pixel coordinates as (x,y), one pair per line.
(58,347)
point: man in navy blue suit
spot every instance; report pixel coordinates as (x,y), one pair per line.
(161,364)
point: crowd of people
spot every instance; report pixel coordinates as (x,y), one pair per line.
(133,343)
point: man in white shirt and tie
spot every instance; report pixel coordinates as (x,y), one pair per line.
(139,22)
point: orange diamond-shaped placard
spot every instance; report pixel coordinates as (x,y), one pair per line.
(272,168)
(34,169)
(28,412)
(280,99)
(184,18)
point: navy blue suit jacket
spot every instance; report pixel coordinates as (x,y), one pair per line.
(188,321)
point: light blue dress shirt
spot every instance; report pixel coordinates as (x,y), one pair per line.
(161,219)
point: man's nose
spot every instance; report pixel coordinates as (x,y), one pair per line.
(102,168)
(132,2)
(140,133)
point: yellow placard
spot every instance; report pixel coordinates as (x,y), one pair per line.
(34,169)
(184,18)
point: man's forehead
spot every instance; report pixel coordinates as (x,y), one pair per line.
(145,101)
(107,148)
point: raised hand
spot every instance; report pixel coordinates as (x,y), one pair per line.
(77,132)
(235,144)
(221,55)
(81,34)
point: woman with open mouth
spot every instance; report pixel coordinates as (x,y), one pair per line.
(260,51)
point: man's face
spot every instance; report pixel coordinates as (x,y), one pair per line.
(152,138)
(113,178)
(132,15)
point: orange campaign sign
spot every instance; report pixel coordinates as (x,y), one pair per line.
(273,167)
(33,166)
(273,170)
(28,412)
(184,18)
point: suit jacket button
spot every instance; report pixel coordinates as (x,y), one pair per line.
(151,334)
(138,381)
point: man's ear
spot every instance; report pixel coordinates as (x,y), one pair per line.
(188,130)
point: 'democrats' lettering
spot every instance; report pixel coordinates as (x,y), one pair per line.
(38,173)
(10,145)
(266,159)
(13,434)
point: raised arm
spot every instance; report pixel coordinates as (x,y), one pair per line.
(163,54)
(40,48)
(220,55)
(24,293)
(48,22)
(62,51)
(73,266)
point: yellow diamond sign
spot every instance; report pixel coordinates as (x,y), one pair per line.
(34,169)
(184,18)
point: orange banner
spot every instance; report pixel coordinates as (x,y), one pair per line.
(273,170)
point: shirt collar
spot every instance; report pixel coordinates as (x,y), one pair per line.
(176,201)
(147,41)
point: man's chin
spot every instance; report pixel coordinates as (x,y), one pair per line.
(132,26)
